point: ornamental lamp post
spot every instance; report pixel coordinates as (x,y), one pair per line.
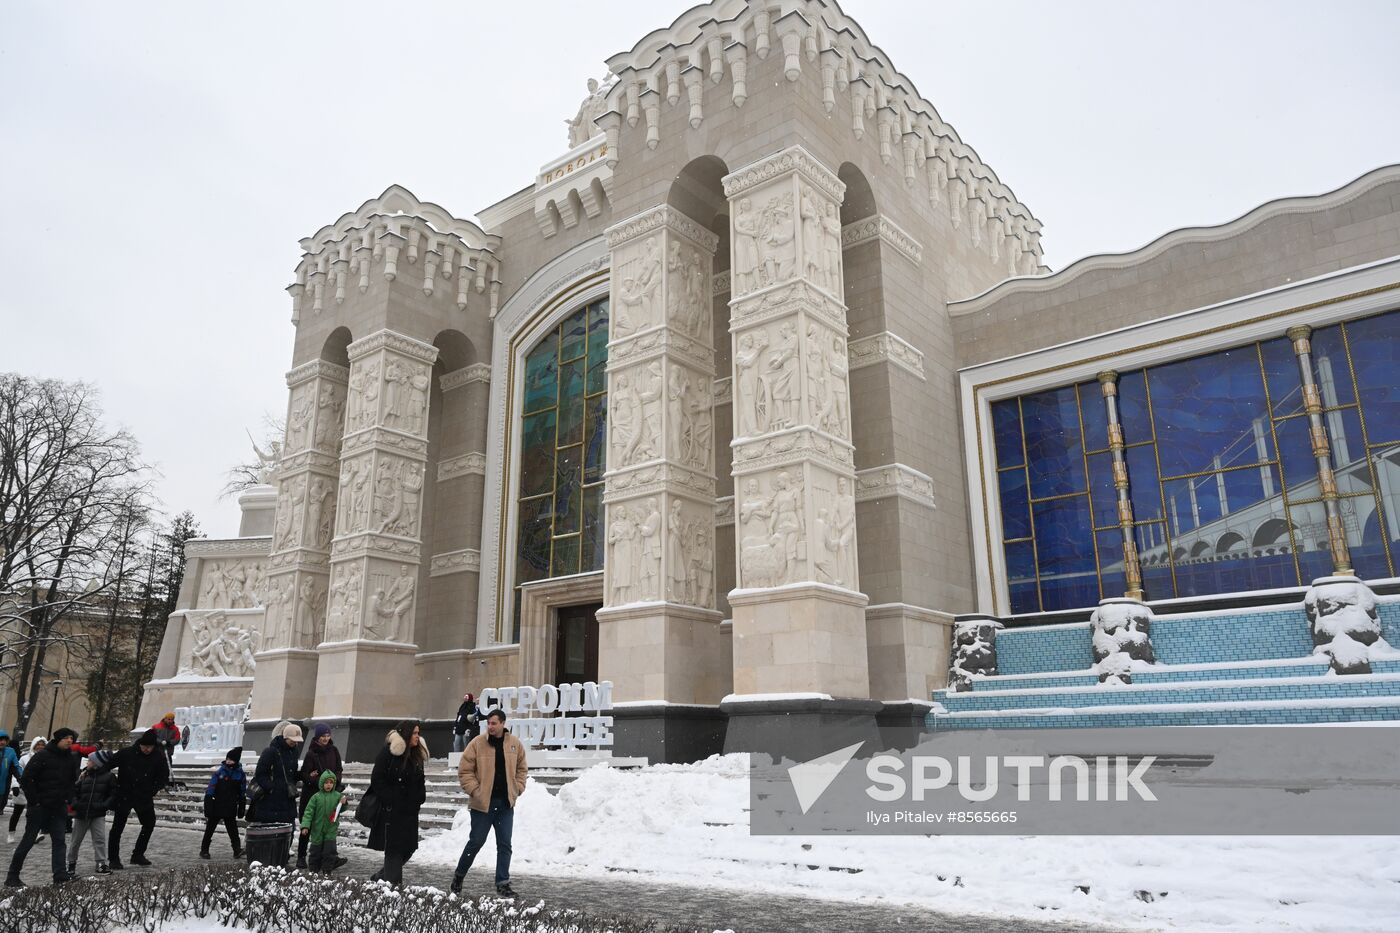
(53,709)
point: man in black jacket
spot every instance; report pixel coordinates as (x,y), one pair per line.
(48,783)
(142,772)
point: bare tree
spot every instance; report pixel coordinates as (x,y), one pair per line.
(67,482)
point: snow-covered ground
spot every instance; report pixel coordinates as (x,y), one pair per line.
(689,824)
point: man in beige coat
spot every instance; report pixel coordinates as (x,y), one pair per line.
(492,772)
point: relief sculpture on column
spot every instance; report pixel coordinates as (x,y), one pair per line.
(299,419)
(638,291)
(751,399)
(622,555)
(836,533)
(344,609)
(773,529)
(781,378)
(330,417)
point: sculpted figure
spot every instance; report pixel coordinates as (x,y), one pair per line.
(812,237)
(400,601)
(778,246)
(783,377)
(622,418)
(418,385)
(369,411)
(831,247)
(396,379)
(622,569)
(581,128)
(788,523)
(329,418)
(299,421)
(679,587)
(751,395)
(746,227)
(649,531)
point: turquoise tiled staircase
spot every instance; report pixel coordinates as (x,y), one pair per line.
(1252,667)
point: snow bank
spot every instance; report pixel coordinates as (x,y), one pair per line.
(689,825)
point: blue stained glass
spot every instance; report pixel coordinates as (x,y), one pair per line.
(537,454)
(595,439)
(1281,370)
(1006,426)
(1020,571)
(597,348)
(1111,575)
(1132,407)
(1348,449)
(1015,505)
(1375,357)
(1055,460)
(1142,483)
(591,556)
(1295,451)
(567,490)
(541,374)
(571,403)
(536,517)
(1210,412)
(565,556)
(1368,554)
(1102,491)
(1330,369)
(574,335)
(1095,413)
(1065,552)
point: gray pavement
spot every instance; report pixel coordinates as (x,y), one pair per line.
(615,896)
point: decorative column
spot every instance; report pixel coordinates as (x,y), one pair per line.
(799,616)
(1132,566)
(1322,450)
(299,566)
(1341,609)
(659,633)
(367,655)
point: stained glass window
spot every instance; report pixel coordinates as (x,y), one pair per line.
(1222,477)
(562,450)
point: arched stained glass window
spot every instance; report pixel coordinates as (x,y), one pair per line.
(562,450)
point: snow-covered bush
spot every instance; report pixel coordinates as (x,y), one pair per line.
(1122,640)
(974,651)
(264,899)
(1345,626)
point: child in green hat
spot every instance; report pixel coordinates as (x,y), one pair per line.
(321,823)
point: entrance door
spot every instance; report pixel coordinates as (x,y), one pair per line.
(576,646)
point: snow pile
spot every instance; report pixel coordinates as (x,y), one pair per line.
(974,652)
(689,825)
(1345,626)
(1122,640)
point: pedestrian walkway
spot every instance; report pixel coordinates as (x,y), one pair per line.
(615,896)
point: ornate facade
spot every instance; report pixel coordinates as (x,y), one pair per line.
(691,413)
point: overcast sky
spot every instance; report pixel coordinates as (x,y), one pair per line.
(160,161)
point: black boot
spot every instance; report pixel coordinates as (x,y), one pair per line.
(505,890)
(140,859)
(204,854)
(457,883)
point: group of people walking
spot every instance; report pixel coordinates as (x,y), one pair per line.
(306,791)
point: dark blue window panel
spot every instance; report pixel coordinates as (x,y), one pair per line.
(1247,487)
(1329,357)
(1020,571)
(1101,490)
(571,402)
(595,439)
(1054,455)
(1065,553)
(1281,371)
(566,552)
(597,347)
(1368,555)
(536,518)
(1111,576)
(574,335)
(1006,428)
(1192,503)
(1205,411)
(1348,449)
(1375,357)
(591,556)
(1095,414)
(537,453)
(1154,555)
(1015,506)
(1142,482)
(1295,452)
(541,374)
(1132,407)
(568,490)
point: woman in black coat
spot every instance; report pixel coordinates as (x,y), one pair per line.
(399,784)
(276,779)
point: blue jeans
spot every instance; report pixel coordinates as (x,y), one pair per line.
(51,820)
(502,818)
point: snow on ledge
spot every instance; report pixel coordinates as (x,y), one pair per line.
(769,697)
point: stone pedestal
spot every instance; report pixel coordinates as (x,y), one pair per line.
(798,728)
(360,678)
(799,621)
(258,505)
(285,686)
(659,631)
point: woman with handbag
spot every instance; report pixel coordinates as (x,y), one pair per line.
(397,789)
(275,789)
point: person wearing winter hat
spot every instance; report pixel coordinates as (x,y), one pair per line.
(142,772)
(321,756)
(36,745)
(168,735)
(49,783)
(9,768)
(225,799)
(320,823)
(275,778)
(90,805)
(467,724)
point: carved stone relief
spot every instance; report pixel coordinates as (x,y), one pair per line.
(639,279)
(398,490)
(363,400)
(291,497)
(405,395)
(310,611)
(355,481)
(218,647)
(634,414)
(836,534)
(330,416)
(299,415)
(281,592)
(772,531)
(233,584)
(689,555)
(344,609)
(389,615)
(687,297)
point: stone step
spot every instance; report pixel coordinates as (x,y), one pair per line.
(1166,673)
(1239,712)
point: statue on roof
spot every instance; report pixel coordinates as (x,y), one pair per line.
(581,128)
